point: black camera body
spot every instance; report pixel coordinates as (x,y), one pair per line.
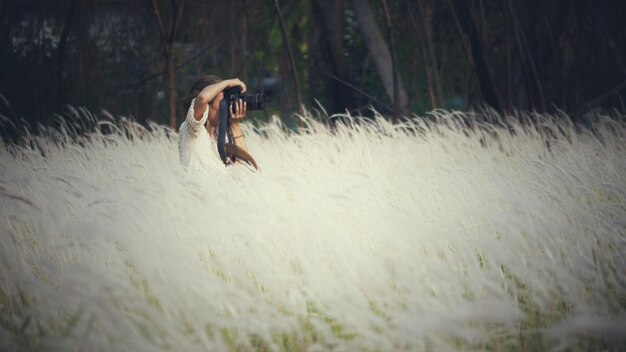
(224,134)
(253,101)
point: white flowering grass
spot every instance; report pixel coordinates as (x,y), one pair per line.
(455,234)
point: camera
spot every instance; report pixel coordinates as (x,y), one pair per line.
(225,138)
(253,101)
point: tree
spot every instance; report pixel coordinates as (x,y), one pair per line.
(328,13)
(380,54)
(292,62)
(67,26)
(540,55)
(424,35)
(475,53)
(166,36)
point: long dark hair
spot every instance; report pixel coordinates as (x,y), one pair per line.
(196,88)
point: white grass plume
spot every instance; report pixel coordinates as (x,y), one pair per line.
(454,234)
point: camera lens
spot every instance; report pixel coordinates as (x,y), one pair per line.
(255,101)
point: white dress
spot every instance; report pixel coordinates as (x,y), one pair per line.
(197,149)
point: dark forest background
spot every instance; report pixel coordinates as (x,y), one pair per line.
(138,58)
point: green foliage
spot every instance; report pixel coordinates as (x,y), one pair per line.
(539,57)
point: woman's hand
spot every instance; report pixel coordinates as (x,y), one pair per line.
(234,82)
(238,110)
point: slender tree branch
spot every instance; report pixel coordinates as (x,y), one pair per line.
(71,13)
(427,68)
(607,95)
(467,26)
(176,18)
(357,89)
(294,69)
(526,56)
(394,64)
(157,15)
(156,75)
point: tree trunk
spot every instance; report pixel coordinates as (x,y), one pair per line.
(315,57)
(171,88)
(476,54)
(379,52)
(528,63)
(394,62)
(234,32)
(167,44)
(427,68)
(69,19)
(328,12)
(7,18)
(426,11)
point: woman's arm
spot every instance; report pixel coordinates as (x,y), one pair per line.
(209,93)
(237,115)
(238,138)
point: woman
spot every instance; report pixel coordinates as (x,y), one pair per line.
(197,135)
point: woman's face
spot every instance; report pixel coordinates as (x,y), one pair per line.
(214,109)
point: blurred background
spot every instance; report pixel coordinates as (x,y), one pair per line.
(138,58)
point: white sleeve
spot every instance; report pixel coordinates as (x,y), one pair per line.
(194,125)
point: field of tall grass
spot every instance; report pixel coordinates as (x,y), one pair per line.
(454,231)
